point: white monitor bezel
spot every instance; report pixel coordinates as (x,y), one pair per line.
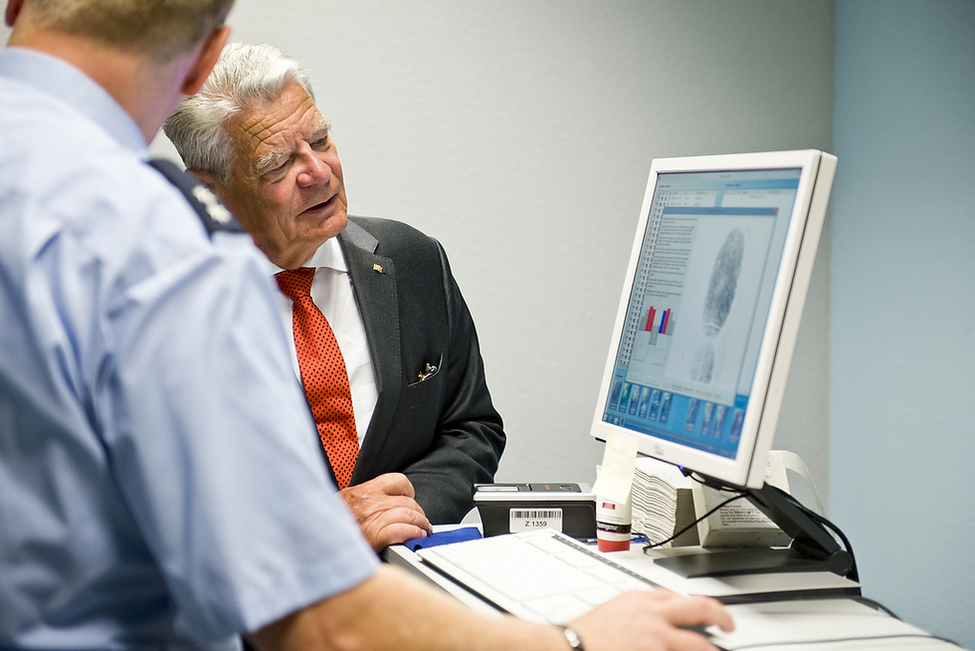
(747,469)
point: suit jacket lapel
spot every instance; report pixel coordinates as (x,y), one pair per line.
(373,280)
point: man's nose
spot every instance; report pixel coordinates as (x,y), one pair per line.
(314,170)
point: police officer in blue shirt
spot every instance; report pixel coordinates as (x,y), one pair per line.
(149,414)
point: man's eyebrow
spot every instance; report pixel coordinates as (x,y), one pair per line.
(268,161)
(323,129)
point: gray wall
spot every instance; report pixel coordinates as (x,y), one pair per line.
(520,134)
(902,350)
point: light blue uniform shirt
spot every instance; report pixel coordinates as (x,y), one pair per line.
(161,484)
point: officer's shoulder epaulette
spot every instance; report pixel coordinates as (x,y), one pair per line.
(212,212)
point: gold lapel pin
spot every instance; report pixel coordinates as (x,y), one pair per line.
(427,372)
(377,268)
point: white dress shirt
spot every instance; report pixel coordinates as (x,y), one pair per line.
(332,293)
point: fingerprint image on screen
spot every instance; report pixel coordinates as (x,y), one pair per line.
(703,365)
(724,282)
(644,402)
(665,407)
(717,304)
(655,404)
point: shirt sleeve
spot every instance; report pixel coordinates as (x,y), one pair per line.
(213,448)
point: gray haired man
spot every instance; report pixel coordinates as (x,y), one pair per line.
(425,423)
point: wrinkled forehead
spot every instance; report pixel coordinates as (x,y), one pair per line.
(275,128)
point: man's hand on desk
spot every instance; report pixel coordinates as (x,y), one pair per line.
(392,612)
(651,621)
(386,511)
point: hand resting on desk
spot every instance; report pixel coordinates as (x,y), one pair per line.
(386,511)
(415,617)
(659,620)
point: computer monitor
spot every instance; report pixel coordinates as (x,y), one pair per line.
(710,310)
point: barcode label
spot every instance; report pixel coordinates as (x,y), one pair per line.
(531,519)
(555,513)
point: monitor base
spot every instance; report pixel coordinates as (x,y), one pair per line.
(813,547)
(741,561)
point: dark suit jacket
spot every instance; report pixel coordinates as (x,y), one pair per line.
(443,431)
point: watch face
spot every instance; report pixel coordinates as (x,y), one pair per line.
(573,638)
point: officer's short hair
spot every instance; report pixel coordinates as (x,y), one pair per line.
(162,29)
(245,77)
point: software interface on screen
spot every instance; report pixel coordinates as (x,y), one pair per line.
(698,305)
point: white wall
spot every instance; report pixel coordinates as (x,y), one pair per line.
(520,134)
(902,345)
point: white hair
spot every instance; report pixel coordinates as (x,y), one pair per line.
(244,77)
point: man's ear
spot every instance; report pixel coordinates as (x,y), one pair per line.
(202,177)
(205,60)
(13,9)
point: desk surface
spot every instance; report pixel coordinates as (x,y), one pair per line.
(811,624)
(827,624)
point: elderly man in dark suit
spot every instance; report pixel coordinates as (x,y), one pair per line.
(413,427)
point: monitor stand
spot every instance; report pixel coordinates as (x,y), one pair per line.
(813,548)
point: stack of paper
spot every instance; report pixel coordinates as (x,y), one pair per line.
(662,503)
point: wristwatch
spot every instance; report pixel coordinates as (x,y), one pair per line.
(572,638)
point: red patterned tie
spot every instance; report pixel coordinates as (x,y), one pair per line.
(323,374)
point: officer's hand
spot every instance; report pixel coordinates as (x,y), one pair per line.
(651,621)
(386,510)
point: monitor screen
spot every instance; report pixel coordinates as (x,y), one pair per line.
(710,308)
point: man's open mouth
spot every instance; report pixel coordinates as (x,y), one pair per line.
(318,206)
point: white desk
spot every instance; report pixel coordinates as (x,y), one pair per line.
(822,624)
(827,625)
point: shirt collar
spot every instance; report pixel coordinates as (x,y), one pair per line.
(61,80)
(328,255)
